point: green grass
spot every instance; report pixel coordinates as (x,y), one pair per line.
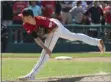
(36,55)
(13,68)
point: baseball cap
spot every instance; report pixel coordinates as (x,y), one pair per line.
(26,12)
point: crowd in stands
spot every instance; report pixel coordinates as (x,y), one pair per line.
(68,12)
(81,12)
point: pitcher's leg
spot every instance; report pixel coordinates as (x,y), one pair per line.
(50,43)
(82,37)
(66,34)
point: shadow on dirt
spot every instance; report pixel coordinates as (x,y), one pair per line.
(85,78)
(73,79)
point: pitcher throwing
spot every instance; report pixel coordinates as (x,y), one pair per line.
(41,27)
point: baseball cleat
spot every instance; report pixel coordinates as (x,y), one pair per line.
(101,46)
(26,78)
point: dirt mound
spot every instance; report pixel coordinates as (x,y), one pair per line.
(85,78)
(82,78)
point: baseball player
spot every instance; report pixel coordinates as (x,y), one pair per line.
(41,27)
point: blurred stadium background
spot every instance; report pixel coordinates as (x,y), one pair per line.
(89,17)
(13,36)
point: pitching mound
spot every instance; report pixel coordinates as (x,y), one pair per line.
(85,78)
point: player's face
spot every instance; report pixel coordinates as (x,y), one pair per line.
(25,19)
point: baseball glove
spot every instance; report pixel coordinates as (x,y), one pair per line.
(41,32)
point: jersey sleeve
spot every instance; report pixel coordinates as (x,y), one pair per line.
(45,22)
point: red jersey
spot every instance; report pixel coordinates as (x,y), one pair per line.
(40,22)
(107,11)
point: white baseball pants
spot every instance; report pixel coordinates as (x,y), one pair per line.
(51,40)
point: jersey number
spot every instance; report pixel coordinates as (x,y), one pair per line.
(39,17)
